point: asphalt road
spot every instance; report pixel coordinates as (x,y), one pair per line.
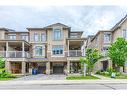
(86,86)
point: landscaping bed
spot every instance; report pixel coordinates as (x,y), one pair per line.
(81,77)
(108,74)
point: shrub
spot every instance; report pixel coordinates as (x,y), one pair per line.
(5,74)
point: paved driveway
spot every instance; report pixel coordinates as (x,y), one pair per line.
(41,77)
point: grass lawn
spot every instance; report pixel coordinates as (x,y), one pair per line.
(121,77)
(81,77)
(117,77)
(5,79)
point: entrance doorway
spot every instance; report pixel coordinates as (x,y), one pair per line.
(105,65)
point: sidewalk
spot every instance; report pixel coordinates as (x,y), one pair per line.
(58,82)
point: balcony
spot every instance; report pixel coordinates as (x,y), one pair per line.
(75,53)
(14,54)
(105,53)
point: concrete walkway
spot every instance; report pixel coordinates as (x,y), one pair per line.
(102,77)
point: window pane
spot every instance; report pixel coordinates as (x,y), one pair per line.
(57,49)
(38,50)
(43,37)
(57,34)
(36,37)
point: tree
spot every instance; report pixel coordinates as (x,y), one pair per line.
(92,56)
(2,63)
(118,53)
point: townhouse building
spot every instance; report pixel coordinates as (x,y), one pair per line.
(53,49)
(103,39)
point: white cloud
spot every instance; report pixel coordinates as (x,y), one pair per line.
(89,19)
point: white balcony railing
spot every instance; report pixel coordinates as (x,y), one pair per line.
(14,54)
(105,53)
(75,53)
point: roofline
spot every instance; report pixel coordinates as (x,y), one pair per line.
(99,32)
(119,23)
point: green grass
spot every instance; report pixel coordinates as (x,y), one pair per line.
(5,79)
(117,77)
(81,77)
(121,77)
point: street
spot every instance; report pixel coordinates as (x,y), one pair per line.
(85,86)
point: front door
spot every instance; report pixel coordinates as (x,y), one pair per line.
(105,65)
(41,69)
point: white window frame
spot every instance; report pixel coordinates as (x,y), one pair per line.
(43,48)
(45,37)
(124,32)
(54,34)
(57,55)
(25,37)
(105,41)
(37,39)
(13,36)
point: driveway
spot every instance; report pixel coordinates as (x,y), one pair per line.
(41,77)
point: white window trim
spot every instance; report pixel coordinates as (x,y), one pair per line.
(104,38)
(34,53)
(62,34)
(58,55)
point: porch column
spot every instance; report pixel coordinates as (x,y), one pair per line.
(125,68)
(68,67)
(110,63)
(23,67)
(7,49)
(68,48)
(23,50)
(8,66)
(48,68)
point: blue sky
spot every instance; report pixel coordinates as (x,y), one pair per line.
(89,19)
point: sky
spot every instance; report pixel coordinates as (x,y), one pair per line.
(89,19)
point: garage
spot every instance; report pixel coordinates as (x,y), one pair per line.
(58,68)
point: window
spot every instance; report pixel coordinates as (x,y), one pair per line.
(107,38)
(125,33)
(24,37)
(43,37)
(12,36)
(36,37)
(38,51)
(57,34)
(57,49)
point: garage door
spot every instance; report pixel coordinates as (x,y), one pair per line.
(58,69)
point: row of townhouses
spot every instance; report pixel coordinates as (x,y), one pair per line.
(103,39)
(55,49)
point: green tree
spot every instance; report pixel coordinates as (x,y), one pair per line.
(2,63)
(92,56)
(118,53)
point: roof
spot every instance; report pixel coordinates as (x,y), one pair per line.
(6,29)
(99,33)
(50,26)
(77,31)
(119,23)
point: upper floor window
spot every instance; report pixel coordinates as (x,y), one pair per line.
(12,36)
(38,51)
(107,38)
(57,34)
(43,37)
(36,37)
(57,49)
(24,37)
(125,33)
